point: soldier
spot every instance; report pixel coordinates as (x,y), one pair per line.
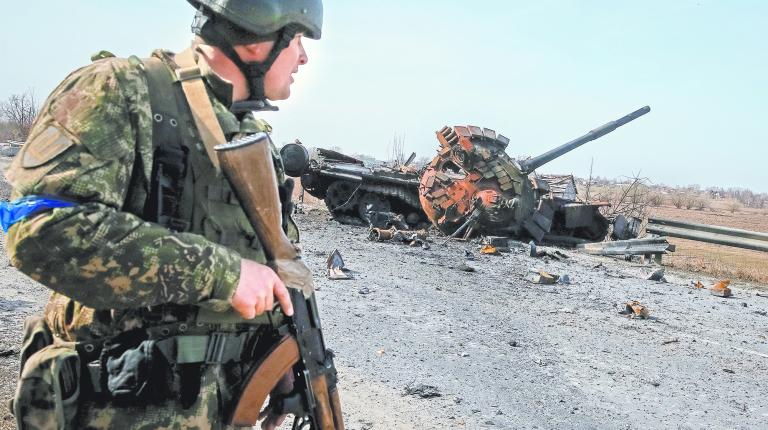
(160,296)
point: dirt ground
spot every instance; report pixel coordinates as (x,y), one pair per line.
(503,352)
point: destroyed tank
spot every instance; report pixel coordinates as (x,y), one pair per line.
(355,193)
(473,187)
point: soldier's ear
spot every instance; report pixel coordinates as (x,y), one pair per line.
(257,51)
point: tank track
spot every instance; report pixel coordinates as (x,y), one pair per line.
(402,193)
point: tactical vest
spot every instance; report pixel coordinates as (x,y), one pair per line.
(185,193)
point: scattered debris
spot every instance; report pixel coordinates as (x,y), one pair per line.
(564,280)
(635,309)
(377,219)
(728,371)
(539,253)
(498,242)
(626,228)
(667,342)
(364,291)
(697,285)
(406,237)
(721,289)
(464,267)
(544,277)
(8,353)
(651,246)
(468,255)
(533,252)
(380,352)
(489,250)
(657,275)
(422,390)
(336,269)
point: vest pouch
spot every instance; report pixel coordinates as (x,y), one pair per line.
(37,336)
(48,389)
(135,375)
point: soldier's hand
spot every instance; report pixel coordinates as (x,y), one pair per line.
(257,290)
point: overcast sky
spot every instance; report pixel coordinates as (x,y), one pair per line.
(540,72)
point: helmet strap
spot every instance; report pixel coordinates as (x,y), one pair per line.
(255,71)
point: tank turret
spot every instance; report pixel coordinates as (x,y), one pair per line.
(472,185)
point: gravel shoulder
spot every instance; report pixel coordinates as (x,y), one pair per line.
(503,352)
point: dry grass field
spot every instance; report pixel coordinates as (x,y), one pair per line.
(718,260)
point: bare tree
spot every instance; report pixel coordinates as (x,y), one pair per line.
(630,198)
(19,111)
(5,131)
(397,149)
(655,199)
(678,199)
(589,181)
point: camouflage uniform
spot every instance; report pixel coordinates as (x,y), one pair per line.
(111,271)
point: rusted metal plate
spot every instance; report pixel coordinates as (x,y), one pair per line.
(462,131)
(536,232)
(503,140)
(477,132)
(542,221)
(507,186)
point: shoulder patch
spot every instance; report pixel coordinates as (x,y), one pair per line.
(44,147)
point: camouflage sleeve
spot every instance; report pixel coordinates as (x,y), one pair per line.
(92,135)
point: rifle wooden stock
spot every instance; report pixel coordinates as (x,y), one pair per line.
(279,360)
(247,164)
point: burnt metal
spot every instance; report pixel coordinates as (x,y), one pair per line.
(295,158)
(645,246)
(528,166)
(378,196)
(473,186)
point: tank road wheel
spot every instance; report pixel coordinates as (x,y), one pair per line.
(341,196)
(372,202)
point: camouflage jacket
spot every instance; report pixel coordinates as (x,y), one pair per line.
(101,259)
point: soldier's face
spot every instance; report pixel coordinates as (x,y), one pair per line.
(278,80)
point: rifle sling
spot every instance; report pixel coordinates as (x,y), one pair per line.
(200,104)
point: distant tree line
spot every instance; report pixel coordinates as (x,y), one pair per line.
(681,197)
(17,113)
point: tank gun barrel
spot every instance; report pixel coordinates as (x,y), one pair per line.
(528,166)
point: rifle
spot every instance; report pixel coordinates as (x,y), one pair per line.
(314,401)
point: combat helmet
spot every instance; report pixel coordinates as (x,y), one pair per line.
(227,23)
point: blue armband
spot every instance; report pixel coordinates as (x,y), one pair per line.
(18,210)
